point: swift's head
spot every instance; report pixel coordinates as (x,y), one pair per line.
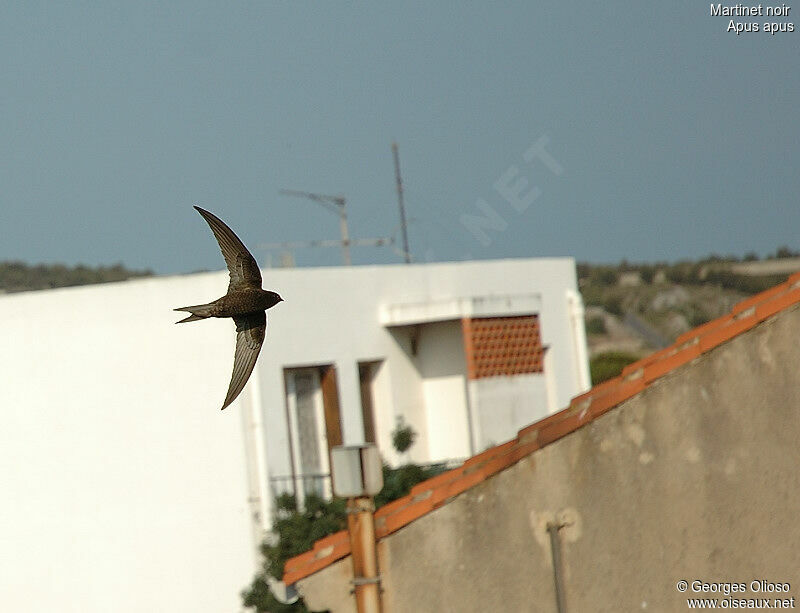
(272,299)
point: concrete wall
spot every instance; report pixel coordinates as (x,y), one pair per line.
(694,478)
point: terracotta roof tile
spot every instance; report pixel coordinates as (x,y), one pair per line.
(753,300)
(584,408)
(325,551)
(625,388)
(488,454)
(777,303)
(730,329)
(671,361)
(436,481)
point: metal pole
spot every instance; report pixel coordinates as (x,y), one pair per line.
(345,233)
(366,581)
(403,224)
(555,546)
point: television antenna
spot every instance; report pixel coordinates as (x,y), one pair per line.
(336,204)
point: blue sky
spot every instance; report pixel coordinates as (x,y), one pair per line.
(674,137)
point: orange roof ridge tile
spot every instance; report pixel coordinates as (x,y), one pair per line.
(325,551)
(582,409)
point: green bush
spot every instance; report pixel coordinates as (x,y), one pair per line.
(592,295)
(596,325)
(19,276)
(697,318)
(604,276)
(297,530)
(784,252)
(746,284)
(403,436)
(613,304)
(607,365)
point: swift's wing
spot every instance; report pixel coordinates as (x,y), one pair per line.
(242,265)
(250,332)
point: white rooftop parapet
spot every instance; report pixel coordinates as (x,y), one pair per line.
(405,314)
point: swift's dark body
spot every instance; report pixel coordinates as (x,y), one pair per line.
(246,303)
(238,302)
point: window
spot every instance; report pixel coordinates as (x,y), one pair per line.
(313,415)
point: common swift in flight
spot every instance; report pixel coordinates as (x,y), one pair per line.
(245,302)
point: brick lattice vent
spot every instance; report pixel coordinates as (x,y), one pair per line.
(501,346)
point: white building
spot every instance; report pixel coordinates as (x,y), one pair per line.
(125,487)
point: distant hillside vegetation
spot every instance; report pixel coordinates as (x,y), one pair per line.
(633,309)
(20,277)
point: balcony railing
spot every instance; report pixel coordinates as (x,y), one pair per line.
(320,483)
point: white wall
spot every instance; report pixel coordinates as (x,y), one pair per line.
(383,412)
(407,398)
(441,363)
(123,484)
(503,405)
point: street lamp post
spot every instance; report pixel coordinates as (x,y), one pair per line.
(358,476)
